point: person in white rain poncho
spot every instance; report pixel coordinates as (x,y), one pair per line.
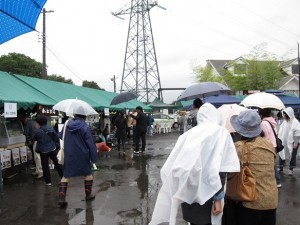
(289,133)
(191,172)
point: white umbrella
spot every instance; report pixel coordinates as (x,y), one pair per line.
(227,111)
(263,100)
(74,106)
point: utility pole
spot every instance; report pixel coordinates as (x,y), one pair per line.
(114,81)
(44,65)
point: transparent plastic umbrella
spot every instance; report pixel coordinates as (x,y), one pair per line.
(227,111)
(74,106)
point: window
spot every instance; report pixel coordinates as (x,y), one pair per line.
(295,69)
(239,68)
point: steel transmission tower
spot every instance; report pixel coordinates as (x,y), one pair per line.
(140,70)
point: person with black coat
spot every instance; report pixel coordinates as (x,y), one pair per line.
(141,129)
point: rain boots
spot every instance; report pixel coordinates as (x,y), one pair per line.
(88,190)
(63,186)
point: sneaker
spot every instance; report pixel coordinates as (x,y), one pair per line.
(48,184)
(40,176)
(290,173)
(279,185)
(135,152)
(35,173)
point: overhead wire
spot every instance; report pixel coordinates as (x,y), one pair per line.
(63,63)
(266,19)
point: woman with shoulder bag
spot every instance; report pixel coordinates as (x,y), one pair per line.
(261,158)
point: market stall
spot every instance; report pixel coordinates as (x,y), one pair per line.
(13,151)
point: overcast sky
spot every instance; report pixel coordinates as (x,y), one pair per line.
(85,42)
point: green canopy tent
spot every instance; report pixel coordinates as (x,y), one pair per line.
(16,91)
(132,104)
(157,104)
(29,91)
(59,91)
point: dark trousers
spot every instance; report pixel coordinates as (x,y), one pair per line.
(45,165)
(128,132)
(140,135)
(134,135)
(248,216)
(292,161)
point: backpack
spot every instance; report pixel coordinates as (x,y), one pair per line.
(191,122)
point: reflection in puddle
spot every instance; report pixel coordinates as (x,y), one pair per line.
(79,216)
(130,213)
(105,185)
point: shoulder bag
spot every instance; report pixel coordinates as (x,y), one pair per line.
(279,145)
(61,152)
(242,186)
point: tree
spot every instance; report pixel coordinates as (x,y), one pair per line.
(59,78)
(204,74)
(20,64)
(263,70)
(91,84)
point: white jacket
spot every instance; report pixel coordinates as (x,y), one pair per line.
(289,133)
(191,172)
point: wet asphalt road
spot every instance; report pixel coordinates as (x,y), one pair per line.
(126,188)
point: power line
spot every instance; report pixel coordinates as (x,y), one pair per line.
(266,19)
(250,28)
(67,67)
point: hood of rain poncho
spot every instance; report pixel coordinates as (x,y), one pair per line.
(289,132)
(75,124)
(191,172)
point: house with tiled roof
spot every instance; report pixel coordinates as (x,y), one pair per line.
(289,70)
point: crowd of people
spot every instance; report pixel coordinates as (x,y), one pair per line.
(206,155)
(194,175)
(80,147)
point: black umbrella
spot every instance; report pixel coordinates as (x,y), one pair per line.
(201,90)
(18,17)
(123,97)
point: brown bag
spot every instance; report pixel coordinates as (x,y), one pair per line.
(242,186)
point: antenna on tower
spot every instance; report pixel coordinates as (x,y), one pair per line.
(140,69)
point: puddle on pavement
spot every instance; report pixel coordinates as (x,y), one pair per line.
(130,213)
(79,216)
(106,185)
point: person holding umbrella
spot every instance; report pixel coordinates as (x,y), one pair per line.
(79,152)
(191,119)
(121,124)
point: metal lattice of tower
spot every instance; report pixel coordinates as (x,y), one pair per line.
(140,69)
